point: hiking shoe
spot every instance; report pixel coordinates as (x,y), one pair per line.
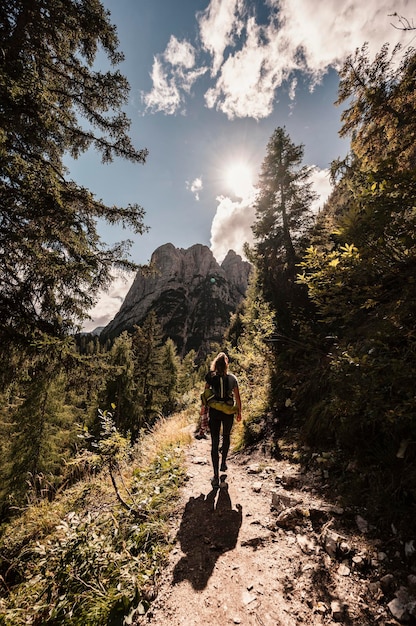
(215,482)
(223,467)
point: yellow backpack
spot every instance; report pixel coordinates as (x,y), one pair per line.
(208,398)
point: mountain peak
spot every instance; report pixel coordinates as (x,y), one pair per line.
(192,295)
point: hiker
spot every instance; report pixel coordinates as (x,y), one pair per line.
(225,388)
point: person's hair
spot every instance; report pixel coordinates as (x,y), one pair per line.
(220,364)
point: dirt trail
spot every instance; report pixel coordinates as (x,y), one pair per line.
(233,565)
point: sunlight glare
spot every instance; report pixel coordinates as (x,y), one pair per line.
(239,179)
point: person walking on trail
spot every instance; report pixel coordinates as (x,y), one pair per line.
(225,386)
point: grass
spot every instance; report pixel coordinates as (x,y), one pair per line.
(83,560)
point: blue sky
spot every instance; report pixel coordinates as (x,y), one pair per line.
(210,81)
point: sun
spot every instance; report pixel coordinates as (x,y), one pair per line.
(239,179)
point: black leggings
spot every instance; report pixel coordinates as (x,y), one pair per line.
(216,418)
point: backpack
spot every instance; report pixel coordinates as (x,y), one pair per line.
(220,387)
(219,396)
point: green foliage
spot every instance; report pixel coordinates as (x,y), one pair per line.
(364,290)
(99,564)
(343,347)
(169,382)
(360,276)
(282,216)
(188,376)
(54,103)
(121,385)
(141,380)
(150,369)
(379,116)
(250,359)
(112,447)
(41,428)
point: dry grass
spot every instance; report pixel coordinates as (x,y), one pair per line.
(176,430)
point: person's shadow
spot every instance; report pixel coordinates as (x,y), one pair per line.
(209,527)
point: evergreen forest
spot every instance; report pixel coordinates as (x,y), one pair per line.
(324,345)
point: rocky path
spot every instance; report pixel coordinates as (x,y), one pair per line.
(269,549)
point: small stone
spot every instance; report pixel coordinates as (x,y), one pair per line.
(281,501)
(344,548)
(337,610)
(330,541)
(398,609)
(307,567)
(344,570)
(257,487)
(375,590)
(248,598)
(200,460)
(289,518)
(362,524)
(321,608)
(409,548)
(386,583)
(306,544)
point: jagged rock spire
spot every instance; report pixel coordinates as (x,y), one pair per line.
(193,296)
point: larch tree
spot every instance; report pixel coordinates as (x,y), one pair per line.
(54,102)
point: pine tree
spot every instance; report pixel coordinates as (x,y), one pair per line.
(120,395)
(169,382)
(54,103)
(42,438)
(188,373)
(282,216)
(148,371)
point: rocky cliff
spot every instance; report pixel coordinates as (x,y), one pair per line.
(192,295)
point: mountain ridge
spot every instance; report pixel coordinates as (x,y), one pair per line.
(192,295)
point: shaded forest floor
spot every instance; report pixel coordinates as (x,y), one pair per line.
(272,547)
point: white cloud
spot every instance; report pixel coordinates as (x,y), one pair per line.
(327,32)
(247,82)
(165,94)
(195,187)
(231,226)
(109,302)
(306,36)
(180,53)
(322,186)
(251,60)
(173,75)
(220,25)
